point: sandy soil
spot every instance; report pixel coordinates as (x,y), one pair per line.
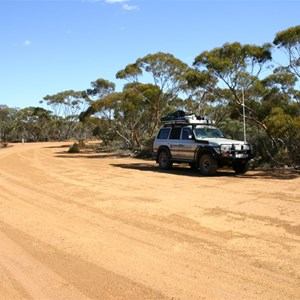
(99,226)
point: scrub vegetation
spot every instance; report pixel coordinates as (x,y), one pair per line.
(219,84)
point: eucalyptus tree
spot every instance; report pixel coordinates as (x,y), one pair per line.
(237,69)
(204,96)
(66,107)
(281,111)
(8,123)
(124,115)
(99,89)
(281,102)
(35,124)
(165,73)
(289,41)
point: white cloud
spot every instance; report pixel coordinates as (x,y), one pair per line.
(124,6)
(27,43)
(130,7)
(115,1)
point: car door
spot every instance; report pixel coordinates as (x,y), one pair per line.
(175,142)
(187,143)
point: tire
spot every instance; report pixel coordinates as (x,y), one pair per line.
(240,168)
(164,160)
(208,165)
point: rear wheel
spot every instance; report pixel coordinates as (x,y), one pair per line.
(208,165)
(240,168)
(164,160)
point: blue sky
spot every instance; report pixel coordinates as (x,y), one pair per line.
(49,46)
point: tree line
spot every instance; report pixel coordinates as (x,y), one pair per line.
(220,84)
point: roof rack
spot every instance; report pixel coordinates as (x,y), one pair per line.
(186,119)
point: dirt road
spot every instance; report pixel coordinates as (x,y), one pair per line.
(98,226)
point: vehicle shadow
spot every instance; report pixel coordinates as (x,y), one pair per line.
(182,170)
(186,171)
(146,167)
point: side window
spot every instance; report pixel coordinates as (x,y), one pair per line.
(163,133)
(175,133)
(185,133)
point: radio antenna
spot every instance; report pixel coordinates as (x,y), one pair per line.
(244,116)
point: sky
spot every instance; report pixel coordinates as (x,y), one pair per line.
(50,46)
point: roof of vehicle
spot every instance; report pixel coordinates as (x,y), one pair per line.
(188,121)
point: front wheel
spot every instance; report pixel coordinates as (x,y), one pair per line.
(208,165)
(164,160)
(240,168)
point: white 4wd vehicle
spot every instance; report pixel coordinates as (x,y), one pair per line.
(195,141)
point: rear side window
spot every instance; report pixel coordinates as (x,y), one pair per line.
(175,133)
(163,133)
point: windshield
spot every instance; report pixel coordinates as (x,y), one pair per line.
(208,132)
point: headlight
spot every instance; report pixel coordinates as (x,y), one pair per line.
(225,150)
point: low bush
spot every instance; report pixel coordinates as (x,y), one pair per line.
(3,144)
(74,148)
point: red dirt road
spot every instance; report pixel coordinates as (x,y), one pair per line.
(98,226)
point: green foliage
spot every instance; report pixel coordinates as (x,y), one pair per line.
(100,88)
(233,59)
(289,41)
(8,123)
(131,71)
(286,129)
(167,74)
(279,123)
(66,107)
(232,129)
(220,84)
(74,148)
(237,67)
(289,37)
(104,131)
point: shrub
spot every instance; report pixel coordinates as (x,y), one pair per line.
(74,148)
(3,144)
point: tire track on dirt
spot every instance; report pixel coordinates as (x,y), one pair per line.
(114,231)
(31,262)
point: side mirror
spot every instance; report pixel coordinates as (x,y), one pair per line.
(190,137)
